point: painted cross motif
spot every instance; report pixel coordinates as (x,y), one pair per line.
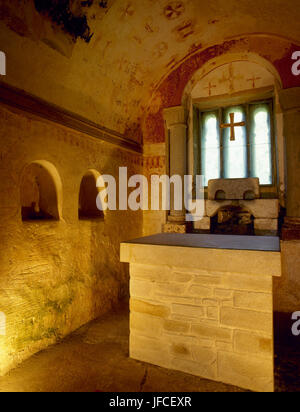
(128,11)
(253,80)
(231,78)
(160,49)
(174,10)
(210,87)
(232,126)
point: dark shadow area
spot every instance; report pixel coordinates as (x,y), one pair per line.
(87,198)
(233,220)
(287,354)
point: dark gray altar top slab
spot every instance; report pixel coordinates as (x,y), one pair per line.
(260,243)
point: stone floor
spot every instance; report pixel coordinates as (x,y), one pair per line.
(95,359)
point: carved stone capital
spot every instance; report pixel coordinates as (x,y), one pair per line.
(175,116)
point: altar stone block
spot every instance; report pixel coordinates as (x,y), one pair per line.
(203,305)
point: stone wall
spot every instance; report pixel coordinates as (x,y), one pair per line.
(217,325)
(56,275)
(287,288)
(155,163)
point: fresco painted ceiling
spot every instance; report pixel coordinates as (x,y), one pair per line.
(110,74)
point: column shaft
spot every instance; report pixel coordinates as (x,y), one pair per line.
(175,118)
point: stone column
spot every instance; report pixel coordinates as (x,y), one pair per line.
(175,119)
(290,104)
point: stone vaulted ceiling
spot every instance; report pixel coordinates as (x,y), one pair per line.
(135,44)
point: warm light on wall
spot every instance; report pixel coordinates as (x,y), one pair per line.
(2,324)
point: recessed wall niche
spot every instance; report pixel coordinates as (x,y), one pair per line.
(88,193)
(41,192)
(233,220)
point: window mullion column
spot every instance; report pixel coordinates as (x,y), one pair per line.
(222,171)
(248,128)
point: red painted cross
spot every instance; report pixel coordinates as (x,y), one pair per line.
(210,87)
(253,80)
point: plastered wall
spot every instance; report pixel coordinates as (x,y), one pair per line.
(56,275)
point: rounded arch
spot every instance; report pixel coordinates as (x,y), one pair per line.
(226,59)
(88,193)
(220,195)
(272,51)
(41,192)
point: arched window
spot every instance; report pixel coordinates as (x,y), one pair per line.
(236,142)
(88,197)
(41,192)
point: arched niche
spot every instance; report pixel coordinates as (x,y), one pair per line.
(87,208)
(41,192)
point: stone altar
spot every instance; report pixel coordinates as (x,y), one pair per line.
(203,304)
